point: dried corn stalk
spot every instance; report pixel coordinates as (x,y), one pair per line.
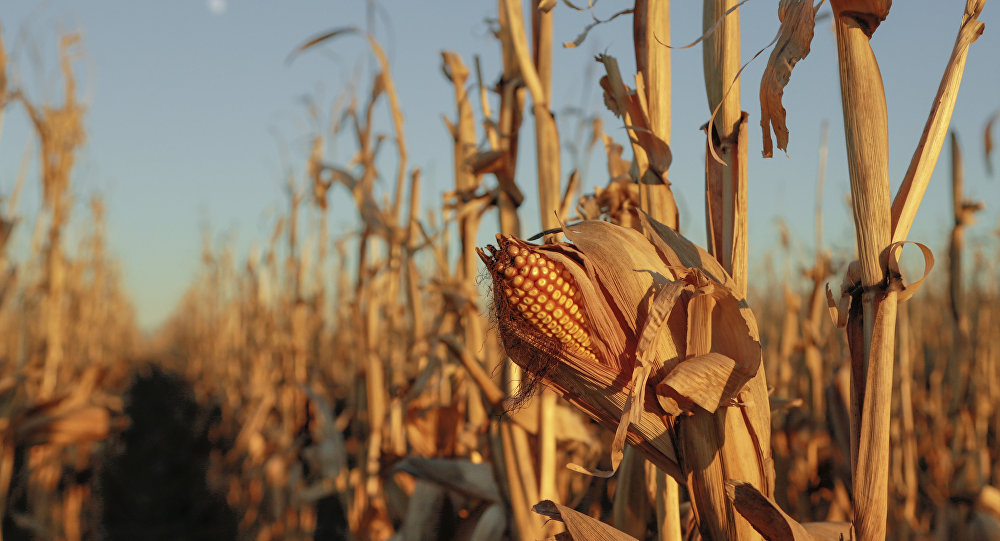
(645,335)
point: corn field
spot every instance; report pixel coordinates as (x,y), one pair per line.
(458,369)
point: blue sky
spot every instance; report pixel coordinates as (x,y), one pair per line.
(194,117)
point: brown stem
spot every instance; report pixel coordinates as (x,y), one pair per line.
(871,340)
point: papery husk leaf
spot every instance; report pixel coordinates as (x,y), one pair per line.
(660,309)
(630,284)
(798,17)
(704,380)
(678,251)
(608,250)
(581,527)
(735,356)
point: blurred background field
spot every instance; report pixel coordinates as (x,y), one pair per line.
(239,297)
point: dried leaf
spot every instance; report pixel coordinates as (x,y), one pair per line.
(627,284)
(487,161)
(581,527)
(918,174)
(320,38)
(798,17)
(583,35)
(764,514)
(709,32)
(988,142)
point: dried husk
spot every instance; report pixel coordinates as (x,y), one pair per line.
(640,293)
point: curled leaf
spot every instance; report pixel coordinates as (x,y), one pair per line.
(798,17)
(320,38)
(586,30)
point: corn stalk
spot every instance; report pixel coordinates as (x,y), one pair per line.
(871,282)
(871,328)
(720,445)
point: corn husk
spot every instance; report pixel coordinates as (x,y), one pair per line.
(651,299)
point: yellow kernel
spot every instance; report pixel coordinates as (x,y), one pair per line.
(522,307)
(541,298)
(524,252)
(534,272)
(532,259)
(524,270)
(572,308)
(509,272)
(553,275)
(512,250)
(517,281)
(556,295)
(557,313)
(535,308)
(533,292)
(542,282)
(549,307)
(519,261)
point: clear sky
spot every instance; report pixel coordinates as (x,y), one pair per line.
(194,117)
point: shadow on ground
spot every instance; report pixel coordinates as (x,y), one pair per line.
(155,488)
